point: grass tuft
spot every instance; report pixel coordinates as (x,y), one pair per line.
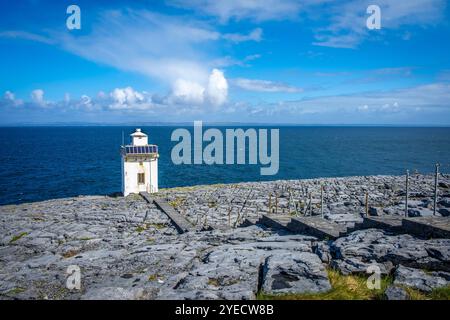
(351,287)
(17,237)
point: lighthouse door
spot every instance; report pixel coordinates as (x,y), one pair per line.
(141,181)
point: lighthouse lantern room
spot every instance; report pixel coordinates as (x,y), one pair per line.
(139,165)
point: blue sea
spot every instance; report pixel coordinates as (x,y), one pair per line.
(39,163)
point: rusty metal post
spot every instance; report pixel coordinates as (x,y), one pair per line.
(310,204)
(270,203)
(407,193)
(436,181)
(321,200)
(276,203)
(367,203)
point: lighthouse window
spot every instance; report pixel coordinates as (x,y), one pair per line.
(141,178)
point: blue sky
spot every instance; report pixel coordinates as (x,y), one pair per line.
(302,62)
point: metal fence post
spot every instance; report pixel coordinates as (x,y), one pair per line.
(310,204)
(407,193)
(270,203)
(436,179)
(367,203)
(276,203)
(321,200)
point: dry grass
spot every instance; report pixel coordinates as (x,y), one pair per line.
(351,287)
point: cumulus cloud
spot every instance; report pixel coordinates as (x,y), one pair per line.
(188,92)
(214,94)
(123,98)
(9,98)
(265,86)
(217,88)
(37,96)
(425,104)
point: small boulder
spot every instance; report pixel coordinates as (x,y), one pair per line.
(444,212)
(294,272)
(396,293)
(373,211)
(444,203)
(418,279)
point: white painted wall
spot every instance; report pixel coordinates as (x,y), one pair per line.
(134,164)
(140,141)
(153,176)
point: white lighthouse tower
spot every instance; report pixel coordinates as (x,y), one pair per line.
(139,165)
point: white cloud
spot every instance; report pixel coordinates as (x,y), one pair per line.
(229,61)
(10,99)
(257,10)
(37,96)
(255,35)
(264,86)
(9,96)
(159,46)
(363,108)
(346,25)
(217,88)
(126,96)
(214,94)
(66,97)
(25,35)
(126,99)
(425,104)
(187,92)
(432,97)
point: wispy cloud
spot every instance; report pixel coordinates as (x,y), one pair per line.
(426,99)
(256,10)
(255,35)
(346,23)
(264,86)
(18,34)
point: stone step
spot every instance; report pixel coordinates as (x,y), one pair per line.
(249,222)
(388,223)
(314,226)
(275,221)
(427,227)
(317,227)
